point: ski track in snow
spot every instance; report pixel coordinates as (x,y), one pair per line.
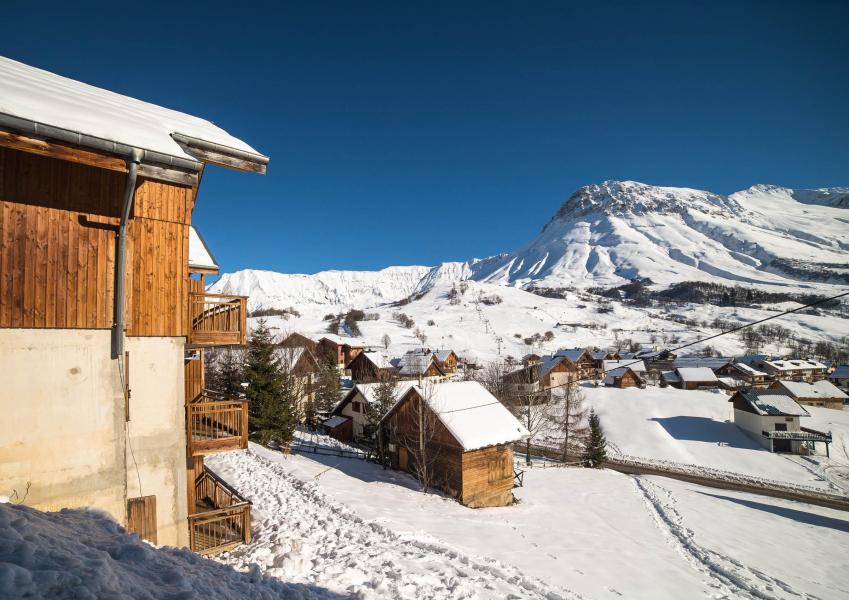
(730,577)
(303,535)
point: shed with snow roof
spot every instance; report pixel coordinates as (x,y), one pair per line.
(771,417)
(691,378)
(456,437)
(840,376)
(624,373)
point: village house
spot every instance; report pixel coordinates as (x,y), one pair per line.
(447,360)
(104,316)
(584,362)
(420,367)
(771,418)
(624,373)
(369,366)
(354,405)
(749,376)
(691,378)
(599,356)
(840,377)
(795,369)
(339,351)
(548,372)
(302,364)
(818,393)
(297,340)
(458,437)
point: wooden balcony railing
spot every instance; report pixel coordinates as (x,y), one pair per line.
(217,319)
(216,423)
(222,520)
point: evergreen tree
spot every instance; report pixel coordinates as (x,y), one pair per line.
(329,389)
(595,454)
(272,415)
(226,375)
(384,399)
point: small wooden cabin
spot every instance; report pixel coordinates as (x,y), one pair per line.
(447,360)
(459,437)
(583,360)
(339,428)
(421,367)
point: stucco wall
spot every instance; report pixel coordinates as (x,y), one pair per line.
(157,432)
(64,429)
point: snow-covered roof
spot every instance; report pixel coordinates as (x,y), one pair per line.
(415,364)
(380,360)
(36,95)
(369,391)
(442,355)
(696,374)
(617,368)
(334,421)
(748,370)
(472,415)
(200,256)
(573,354)
(773,403)
(712,363)
(670,377)
(821,389)
(841,372)
(546,363)
(794,364)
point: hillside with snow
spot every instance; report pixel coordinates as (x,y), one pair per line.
(766,238)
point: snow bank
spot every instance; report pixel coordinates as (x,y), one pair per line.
(82,554)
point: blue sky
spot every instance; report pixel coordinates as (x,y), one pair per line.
(404,133)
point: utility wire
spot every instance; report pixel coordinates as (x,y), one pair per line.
(667,352)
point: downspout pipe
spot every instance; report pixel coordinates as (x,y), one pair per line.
(121,258)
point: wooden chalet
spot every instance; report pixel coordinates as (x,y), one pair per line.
(819,393)
(599,356)
(458,437)
(447,360)
(624,373)
(795,369)
(104,313)
(339,351)
(370,366)
(302,364)
(585,364)
(691,378)
(297,340)
(548,372)
(749,376)
(419,367)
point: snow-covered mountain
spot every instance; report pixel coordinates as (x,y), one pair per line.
(611,233)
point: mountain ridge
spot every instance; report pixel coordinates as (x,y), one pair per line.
(610,233)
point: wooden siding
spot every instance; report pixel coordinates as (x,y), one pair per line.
(488,477)
(141,517)
(58,228)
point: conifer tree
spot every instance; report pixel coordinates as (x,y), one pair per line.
(272,414)
(226,376)
(329,389)
(384,399)
(595,454)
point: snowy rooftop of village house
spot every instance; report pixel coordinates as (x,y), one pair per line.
(748,369)
(696,374)
(795,363)
(617,368)
(369,390)
(200,257)
(334,421)
(572,354)
(773,403)
(50,99)
(442,355)
(840,372)
(818,389)
(380,360)
(700,361)
(414,364)
(474,417)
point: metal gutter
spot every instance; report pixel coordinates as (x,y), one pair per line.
(121,257)
(31,127)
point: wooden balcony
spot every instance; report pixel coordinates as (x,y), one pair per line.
(222,520)
(217,319)
(216,423)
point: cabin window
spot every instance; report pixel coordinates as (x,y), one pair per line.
(357,407)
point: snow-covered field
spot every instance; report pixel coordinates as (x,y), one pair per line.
(697,428)
(354,528)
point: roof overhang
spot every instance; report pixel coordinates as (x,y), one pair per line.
(222,155)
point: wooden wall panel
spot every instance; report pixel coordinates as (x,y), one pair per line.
(58,229)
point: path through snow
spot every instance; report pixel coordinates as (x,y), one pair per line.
(301,535)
